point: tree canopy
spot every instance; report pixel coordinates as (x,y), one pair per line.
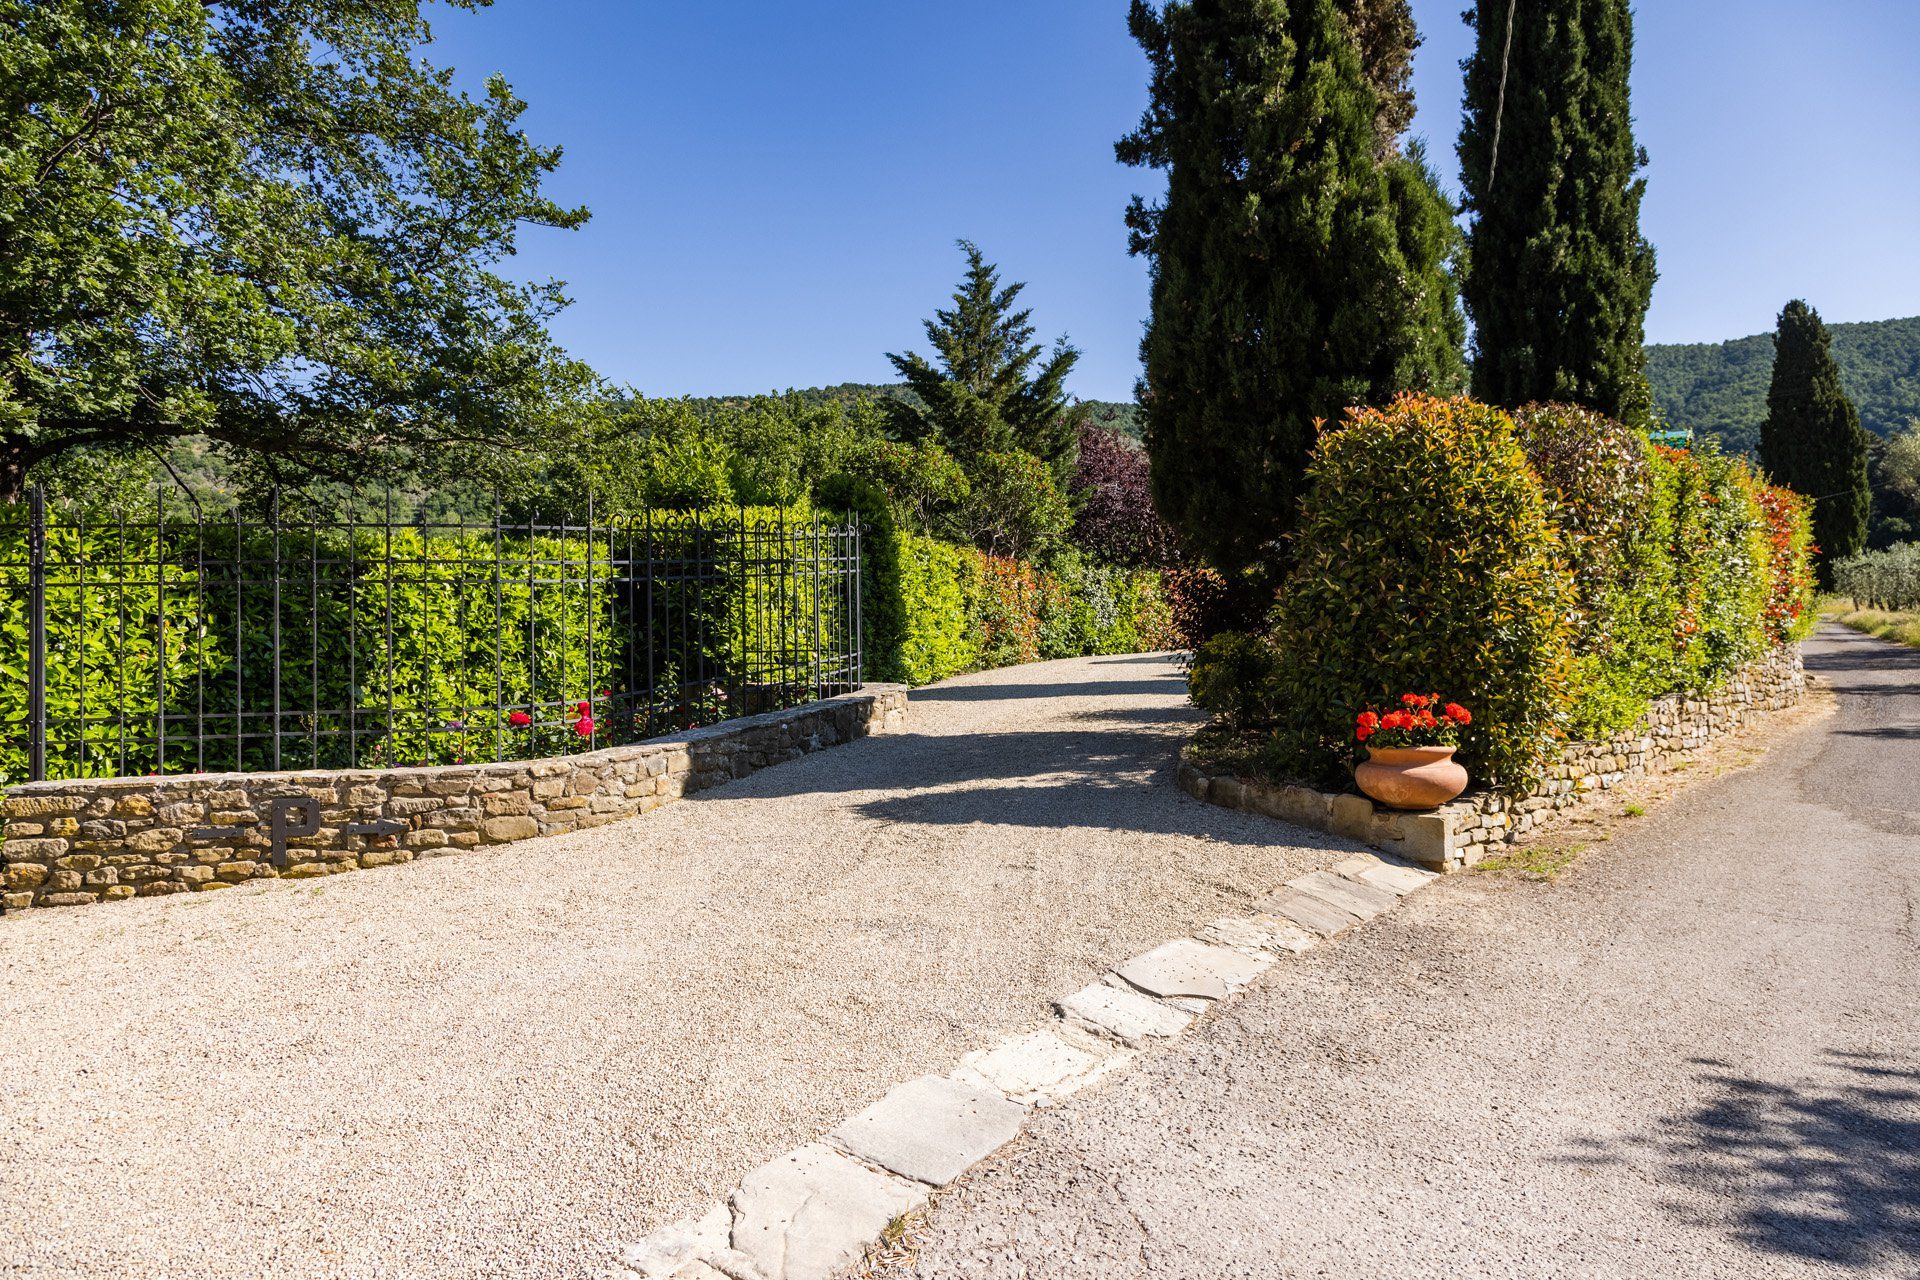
(271,225)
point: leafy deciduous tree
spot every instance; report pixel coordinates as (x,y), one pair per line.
(269,224)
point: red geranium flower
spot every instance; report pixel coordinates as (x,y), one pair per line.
(1458,714)
(1364,732)
(519,719)
(1368,720)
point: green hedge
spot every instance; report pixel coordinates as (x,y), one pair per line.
(1554,575)
(935,610)
(468,644)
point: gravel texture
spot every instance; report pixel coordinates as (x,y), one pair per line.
(504,1063)
(1694,1054)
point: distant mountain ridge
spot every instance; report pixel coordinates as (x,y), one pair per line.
(1720,388)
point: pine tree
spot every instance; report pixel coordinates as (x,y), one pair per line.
(1812,440)
(1558,275)
(1295,271)
(986,396)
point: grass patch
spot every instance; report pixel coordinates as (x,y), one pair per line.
(1899,627)
(1541,862)
(1635,811)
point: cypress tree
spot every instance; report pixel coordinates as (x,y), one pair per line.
(1295,271)
(1812,440)
(994,390)
(1385,32)
(1558,275)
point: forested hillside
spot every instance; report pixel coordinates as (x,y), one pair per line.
(1720,388)
(1120,416)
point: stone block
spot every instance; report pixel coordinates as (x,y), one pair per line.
(67,899)
(117,893)
(42,850)
(1126,1016)
(1188,967)
(512,827)
(808,1215)
(1193,781)
(26,875)
(932,1129)
(665,1253)
(1038,1067)
(1228,793)
(1393,876)
(37,806)
(1316,915)
(1361,900)
(506,804)
(1260,934)
(1351,816)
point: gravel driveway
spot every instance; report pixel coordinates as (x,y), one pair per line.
(505,1062)
(1695,1055)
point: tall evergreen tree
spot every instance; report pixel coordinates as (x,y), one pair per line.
(1296,272)
(1558,275)
(1812,440)
(986,395)
(1387,37)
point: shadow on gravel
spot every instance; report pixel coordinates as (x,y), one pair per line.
(1823,1172)
(1172,686)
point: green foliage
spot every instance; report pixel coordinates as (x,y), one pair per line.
(1888,580)
(274,226)
(1234,679)
(1893,471)
(1720,388)
(1386,36)
(1295,271)
(1720,564)
(1598,476)
(1014,507)
(1559,276)
(108,668)
(1424,560)
(986,396)
(1812,440)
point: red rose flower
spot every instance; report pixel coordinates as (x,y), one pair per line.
(1459,714)
(583,708)
(584,726)
(519,719)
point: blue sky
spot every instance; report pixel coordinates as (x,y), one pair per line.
(776,187)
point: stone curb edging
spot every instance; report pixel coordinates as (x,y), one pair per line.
(812,1213)
(1455,836)
(101,840)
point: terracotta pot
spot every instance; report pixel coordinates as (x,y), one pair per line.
(1411,777)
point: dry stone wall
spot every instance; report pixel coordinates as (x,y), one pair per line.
(1460,834)
(73,843)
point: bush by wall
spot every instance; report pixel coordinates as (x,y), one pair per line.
(1424,559)
(935,610)
(1556,574)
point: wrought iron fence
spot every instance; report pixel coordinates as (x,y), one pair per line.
(171,641)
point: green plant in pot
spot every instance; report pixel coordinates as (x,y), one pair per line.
(1410,748)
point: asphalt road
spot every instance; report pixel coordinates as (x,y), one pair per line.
(1696,1054)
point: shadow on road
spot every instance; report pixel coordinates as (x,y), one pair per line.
(1826,1172)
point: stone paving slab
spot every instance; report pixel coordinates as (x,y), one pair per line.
(669,1251)
(1310,912)
(1362,900)
(810,1213)
(1269,935)
(1396,877)
(1039,1067)
(932,1128)
(1126,1016)
(1189,967)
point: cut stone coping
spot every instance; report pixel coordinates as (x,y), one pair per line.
(1455,836)
(812,1213)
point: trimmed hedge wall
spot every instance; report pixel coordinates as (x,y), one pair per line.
(935,610)
(1550,569)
